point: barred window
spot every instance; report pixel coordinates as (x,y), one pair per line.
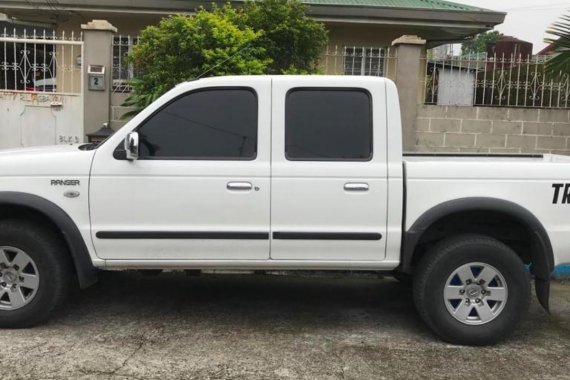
(364,61)
(123,71)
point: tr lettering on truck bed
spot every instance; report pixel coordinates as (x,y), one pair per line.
(561,193)
(285,173)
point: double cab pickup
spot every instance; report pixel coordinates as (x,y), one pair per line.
(285,173)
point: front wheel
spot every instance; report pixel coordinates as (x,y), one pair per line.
(472,290)
(35,273)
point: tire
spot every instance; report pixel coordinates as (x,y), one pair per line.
(460,310)
(48,267)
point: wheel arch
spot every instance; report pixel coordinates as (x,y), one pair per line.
(86,272)
(541,253)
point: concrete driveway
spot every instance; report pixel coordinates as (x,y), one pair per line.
(269,327)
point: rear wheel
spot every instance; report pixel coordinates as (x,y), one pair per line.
(472,290)
(35,273)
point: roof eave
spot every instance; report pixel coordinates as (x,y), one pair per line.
(488,18)
(174,6)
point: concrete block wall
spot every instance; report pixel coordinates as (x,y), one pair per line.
(118,110)
(492,130)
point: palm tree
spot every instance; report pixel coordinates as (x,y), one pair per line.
(560,64)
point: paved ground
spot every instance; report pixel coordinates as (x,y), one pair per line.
(267,327)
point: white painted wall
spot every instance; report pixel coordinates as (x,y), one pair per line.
(455,87)
(33,119)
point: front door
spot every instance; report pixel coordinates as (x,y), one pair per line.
(329,169)
(200,188)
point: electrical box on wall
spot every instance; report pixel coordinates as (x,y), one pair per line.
(96,77)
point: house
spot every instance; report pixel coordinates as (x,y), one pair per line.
(359,30)
(361,33)
(548,51)
(509,46)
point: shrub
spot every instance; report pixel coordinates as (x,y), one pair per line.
(262,37)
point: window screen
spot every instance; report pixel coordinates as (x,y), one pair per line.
(328,124)
(207,124)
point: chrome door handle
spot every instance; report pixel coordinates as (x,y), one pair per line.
(241,186)
(353,186)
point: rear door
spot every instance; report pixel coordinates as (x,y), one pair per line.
(329,169)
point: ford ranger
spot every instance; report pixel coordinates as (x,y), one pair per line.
(285,173)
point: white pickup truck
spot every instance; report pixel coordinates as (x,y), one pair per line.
(285,173)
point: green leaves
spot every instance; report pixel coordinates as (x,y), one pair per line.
(560,30)
(294,41)
(262,37)
(479,43)
(184,48)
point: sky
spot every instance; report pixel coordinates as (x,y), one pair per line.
(526,19)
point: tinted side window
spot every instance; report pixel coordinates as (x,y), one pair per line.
(207,124)
(328,124)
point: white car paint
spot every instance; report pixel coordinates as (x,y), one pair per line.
(309,196)
(192,195)
(524,181)
(183,195)
(31,170)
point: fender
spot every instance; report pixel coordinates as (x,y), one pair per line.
(542,255)
(86,272)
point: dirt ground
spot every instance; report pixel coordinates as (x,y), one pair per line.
(173,326)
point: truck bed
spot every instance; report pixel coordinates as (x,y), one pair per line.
(526,180)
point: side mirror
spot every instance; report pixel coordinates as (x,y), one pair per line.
(132,146)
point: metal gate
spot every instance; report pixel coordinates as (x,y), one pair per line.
(41,90)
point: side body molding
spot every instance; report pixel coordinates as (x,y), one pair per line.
(86,272)
(542,255)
